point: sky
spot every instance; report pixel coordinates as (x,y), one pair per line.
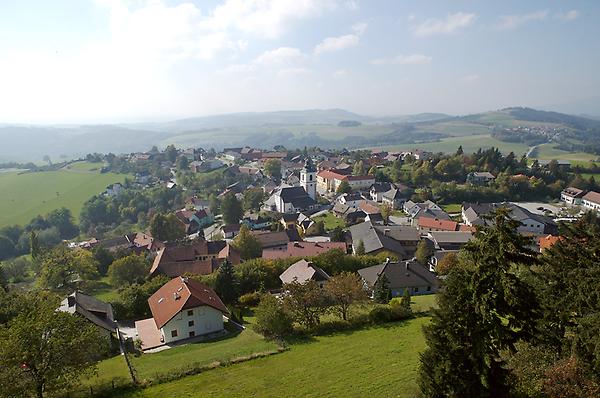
(99,61)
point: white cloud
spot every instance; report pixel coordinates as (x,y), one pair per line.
(281,55)
(450,24)
(470,78)
(292,72)
(330,44)
(413,59)
(340,73)
(514,21)
(569,15)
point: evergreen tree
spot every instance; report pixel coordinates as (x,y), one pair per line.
(360,248)
(247,244)
(460,151)
(423,252)
(381,292)
(344,187)
(485,308)
(226,284)
(34,246)
(405,302)
(232,209)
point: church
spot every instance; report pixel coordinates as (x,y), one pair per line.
(297,199)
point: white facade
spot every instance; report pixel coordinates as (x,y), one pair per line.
(530,225)
(308,181)
(192,322)
(588,204)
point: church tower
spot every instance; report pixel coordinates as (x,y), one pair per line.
(308,179)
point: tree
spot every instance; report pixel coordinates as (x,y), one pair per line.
(337,235)
(305,302)
(226,283)
(272,320)
(34,246)
(183,163)
(344,187)
(423,252)
(253,198)
(62,219)
(567,379)
(386,212)
(166,227)
(344,290)
(128,270)
(44,350)
(65,270)
(486,307)
(7,248)
(273,168)
(360,248)
(247,244)
(459,151)
(449,261)
(171,153)
(231,208)
(213,204)
(381,292)
(359,168)
(104,258)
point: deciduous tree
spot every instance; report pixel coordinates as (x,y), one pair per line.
(344,290)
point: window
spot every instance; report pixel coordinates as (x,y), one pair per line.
(428,288)
(311,177)
(190,323)
(174,333)
(415,289)
(192,334)
(190,312)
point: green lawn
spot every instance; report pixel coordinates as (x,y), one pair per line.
(149,366)
(452,208)
(103,290)
(549,151)
(85,166)
(330,221)
(470,144)
(24,196)
(381,361)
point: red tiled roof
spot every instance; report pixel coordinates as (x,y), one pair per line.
(434,223)
(330,175)
(303,249)
(359,178)
(592,196)
(548,241)
(179,294)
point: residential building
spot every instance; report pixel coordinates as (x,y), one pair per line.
(302,249)
(303,271)
(200,257)
(480,177)
(403,275)
(114,189)
(425,224)
(397,239)
(396,197)
(330,180)
(591,200)
(572,196)
(181,309)
(474,214)
(377,190)
(352,199)
(449,240)
(276,240)
(95,311)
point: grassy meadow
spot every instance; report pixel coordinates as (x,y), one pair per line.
(24,196)
(378,361)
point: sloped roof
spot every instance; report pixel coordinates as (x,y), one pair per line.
(446,225)
(399,274)
(376,237)
(592,196)
(94,310)
(303,249)
(303,271)
(180,259)
(180,294)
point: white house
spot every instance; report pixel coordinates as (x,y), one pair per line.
(572,196)
(591,200)
(113,189)
(184,308)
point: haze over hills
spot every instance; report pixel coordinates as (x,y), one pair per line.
(334,128)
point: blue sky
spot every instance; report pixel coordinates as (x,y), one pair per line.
(117,60)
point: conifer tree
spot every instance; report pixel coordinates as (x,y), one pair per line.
(381,292)
(226,284)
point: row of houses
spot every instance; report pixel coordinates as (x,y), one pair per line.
(575,196)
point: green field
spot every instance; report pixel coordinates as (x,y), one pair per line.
(549,151)
(330,221)
(456,128)
(381,361)
(470,144)
(24,196)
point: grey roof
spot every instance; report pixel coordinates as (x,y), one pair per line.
(394,194)
(381,186)
(376,237)
(451,236)
(483,174)
(94,310)
(303,271)
(399,274)
(431,213)
(297,196)
(475,211)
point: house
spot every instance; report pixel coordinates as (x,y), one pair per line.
(349,214)
(330,180)
(546,242)
(230,231)
(480,177)
(181,309)
(474,214)
(255,221)
(206,165)
(377,190)
(97,312)
(143,241)
(427,209)
(397,239)
(113,190)
(192,221)
(396,197)
(572,196)
(199,257)
(425,224)
(561,164)
(292,200)
(401,276)
(352,199)
(358,183)
(276,240)
(303,271)
(449,240)
(417,154)
(591,200)
(302,249)
(197,203)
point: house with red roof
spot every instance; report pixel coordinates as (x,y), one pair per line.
(181,309)
(303,249)
(435,224)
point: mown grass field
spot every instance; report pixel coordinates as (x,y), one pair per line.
(470,144)
(24,196)
(330,221)
(549,151)
(380,361)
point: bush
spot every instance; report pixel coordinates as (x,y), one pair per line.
(389,313)
(250,299)
(271,318)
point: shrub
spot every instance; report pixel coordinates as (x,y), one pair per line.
(381,314)
(271,318)
(250,299)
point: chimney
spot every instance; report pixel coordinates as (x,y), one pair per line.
(387,260)
(176,296)
(386,231)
